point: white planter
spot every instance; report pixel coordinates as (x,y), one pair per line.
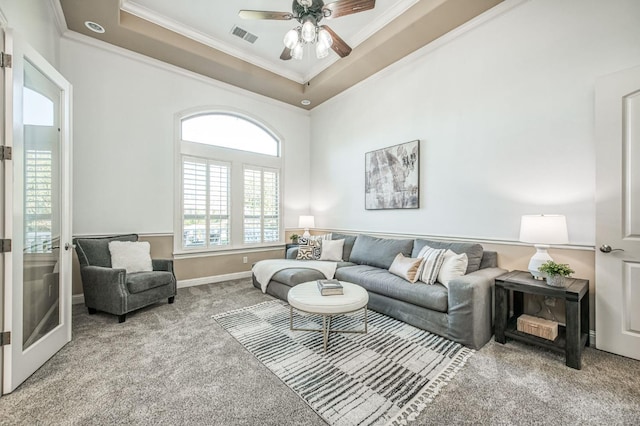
(556,280)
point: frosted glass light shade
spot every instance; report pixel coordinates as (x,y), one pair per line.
(291,38)
(321,51)
(308,32)
(325,38)
(544,229)
(297,52)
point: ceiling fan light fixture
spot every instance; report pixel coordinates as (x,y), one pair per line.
(308,31)
(297,52)
(305,3)
(291,38)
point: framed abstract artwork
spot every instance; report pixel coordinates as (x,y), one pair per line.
(392,177)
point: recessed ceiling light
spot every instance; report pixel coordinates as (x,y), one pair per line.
(305,102)
(96,28)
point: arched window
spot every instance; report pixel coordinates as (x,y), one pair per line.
(230,186)
(229,131)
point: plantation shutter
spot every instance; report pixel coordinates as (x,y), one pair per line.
(261,205)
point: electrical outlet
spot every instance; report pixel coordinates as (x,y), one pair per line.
(550,301)
(245,259)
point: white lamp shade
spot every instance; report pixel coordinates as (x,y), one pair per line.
(306,222)
(544,229)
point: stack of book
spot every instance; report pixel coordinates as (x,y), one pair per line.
(330,287)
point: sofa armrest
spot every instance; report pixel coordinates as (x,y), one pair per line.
(292,253)
(162,265)
(105,289)
(471,306)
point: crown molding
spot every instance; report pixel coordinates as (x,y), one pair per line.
(374,26)
(156,63)
(491,14)
(58,14)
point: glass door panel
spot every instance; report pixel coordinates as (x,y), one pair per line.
(41,200)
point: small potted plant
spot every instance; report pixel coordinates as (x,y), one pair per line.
(555,272)
(294,238)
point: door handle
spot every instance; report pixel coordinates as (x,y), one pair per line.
(68,246)
(605,248)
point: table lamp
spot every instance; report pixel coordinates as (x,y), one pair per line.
(306,222)
(542,230)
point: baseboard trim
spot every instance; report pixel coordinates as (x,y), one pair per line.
(213,279)
(78,299)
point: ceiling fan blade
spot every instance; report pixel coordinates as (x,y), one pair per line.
(340,8)
(339,46)
(286,54)
(263,14)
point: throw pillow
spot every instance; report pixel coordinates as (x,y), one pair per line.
(433,259)
(454,266)
(332,250)
(305,253)
(132,256)
(312,243)
(406,267)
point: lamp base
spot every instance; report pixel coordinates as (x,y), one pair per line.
(541,256)
(306,233)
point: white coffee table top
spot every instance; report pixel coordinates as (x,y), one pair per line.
(306,297)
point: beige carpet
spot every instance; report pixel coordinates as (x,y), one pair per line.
(174,364)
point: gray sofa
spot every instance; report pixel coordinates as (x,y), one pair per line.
(462,313)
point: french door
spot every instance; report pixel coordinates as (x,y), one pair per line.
(37,213)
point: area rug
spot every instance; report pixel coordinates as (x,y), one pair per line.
(387,376)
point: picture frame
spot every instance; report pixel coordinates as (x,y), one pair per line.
(392,177)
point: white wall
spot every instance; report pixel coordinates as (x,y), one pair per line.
(34,20)
(505,115)
(125,108)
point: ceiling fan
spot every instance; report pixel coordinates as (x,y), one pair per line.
(309,13)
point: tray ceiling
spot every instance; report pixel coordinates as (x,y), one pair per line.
(197,35)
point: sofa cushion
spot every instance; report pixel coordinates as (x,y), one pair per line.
(293,276)
(474,251)
(138,282)
(379,252)
(381,281)
(348,244)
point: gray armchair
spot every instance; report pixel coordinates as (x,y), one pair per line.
(113,290)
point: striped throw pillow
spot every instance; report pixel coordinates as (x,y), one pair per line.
(431,265)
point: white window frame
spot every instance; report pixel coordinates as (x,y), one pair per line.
(237,159)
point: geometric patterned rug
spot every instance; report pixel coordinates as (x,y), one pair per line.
(387,376)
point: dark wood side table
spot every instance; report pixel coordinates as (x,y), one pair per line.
(571,338)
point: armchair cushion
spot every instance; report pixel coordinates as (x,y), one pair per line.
(138,282)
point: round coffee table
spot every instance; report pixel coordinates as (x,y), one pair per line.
(306,297)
